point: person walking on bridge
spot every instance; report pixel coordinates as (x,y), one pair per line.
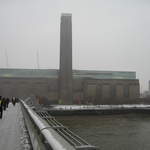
(14,101)
(1,107)
(4,103)
(7,102)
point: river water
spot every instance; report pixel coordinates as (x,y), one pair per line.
(112,132)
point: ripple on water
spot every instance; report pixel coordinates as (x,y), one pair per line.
(113,132)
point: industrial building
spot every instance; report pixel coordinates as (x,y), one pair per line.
(67,86)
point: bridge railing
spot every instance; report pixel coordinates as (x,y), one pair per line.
(48,134)
(42,136)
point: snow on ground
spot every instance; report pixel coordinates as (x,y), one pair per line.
(98,107)
(12,129)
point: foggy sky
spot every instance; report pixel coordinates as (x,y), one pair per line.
(107,34)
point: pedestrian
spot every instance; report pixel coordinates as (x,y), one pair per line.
(7,102)
(4,103)
(17,100)
(1,107)
(14,101)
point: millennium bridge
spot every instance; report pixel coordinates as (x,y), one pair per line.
(25,127)
(30,127)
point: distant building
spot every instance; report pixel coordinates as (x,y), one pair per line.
(67,86)
(146,94)
(88,86)
(149,86)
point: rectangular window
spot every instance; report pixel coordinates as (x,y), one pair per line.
(113,91)
(126,91)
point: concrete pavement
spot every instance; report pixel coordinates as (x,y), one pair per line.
(10,129)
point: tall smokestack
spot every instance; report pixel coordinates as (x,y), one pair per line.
(65,72)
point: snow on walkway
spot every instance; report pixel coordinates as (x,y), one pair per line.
(10,129)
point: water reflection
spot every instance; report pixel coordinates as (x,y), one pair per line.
(112,132)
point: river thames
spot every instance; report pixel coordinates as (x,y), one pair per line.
(112,132)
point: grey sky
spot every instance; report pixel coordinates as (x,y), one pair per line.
(107,34)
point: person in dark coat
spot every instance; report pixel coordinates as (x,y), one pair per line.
(1,107)
(7,102)
(4,103)
(14,101)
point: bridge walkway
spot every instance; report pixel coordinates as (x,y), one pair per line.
(10,128)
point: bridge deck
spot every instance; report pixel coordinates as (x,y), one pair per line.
(10,129)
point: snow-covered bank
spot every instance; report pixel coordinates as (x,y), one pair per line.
(97,107)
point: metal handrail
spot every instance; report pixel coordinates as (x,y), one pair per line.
(45,130)
(76,141)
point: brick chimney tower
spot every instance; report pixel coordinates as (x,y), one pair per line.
(65,72)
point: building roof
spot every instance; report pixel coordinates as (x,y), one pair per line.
(28,73)
(53,73)
(104,74)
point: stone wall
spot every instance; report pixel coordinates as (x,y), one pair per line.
(105,90)
(25,87)
(85,91)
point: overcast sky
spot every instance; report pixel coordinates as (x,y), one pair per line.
(107,34)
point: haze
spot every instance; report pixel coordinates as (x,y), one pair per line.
(107,34)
